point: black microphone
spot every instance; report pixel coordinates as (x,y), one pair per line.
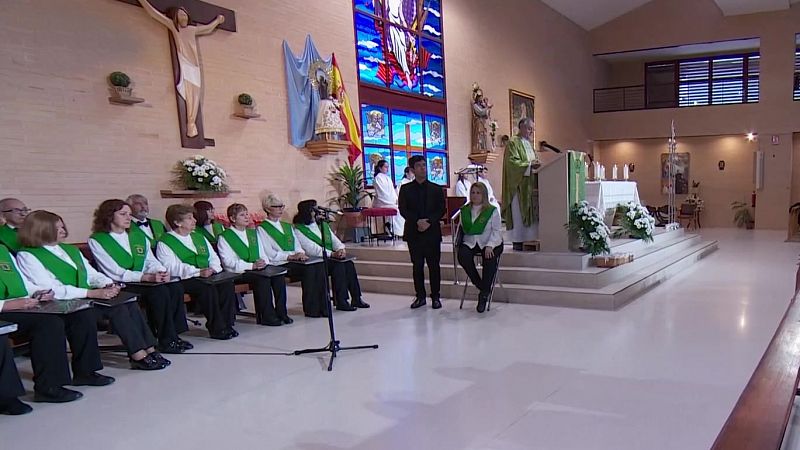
(548,146)
(323,210)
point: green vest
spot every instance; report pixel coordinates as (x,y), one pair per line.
(8,237)
(62,270)
(326,230)
(217,230)
(285,238)
(186,255)
(247,252)
(476,226)
(11,284)
(134,260)
(156,226)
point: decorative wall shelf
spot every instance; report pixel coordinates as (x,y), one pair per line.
(326,147)
(247,115)
(482,158)
(196,194)
(125,100)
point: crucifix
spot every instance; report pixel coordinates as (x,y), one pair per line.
(185,20)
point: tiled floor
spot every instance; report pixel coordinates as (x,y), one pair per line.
(662,373)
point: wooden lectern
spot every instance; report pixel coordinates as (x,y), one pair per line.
(559,186)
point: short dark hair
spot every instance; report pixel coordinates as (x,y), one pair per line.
(414,160)
(407,170)
(378,166)
(201,210)
(235,209)
(104,214)
(176,212)
(305,212)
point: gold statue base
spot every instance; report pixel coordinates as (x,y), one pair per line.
(323,147)
(482,158)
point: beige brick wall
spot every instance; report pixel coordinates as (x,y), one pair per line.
(64,147)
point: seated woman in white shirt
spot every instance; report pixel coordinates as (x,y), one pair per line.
(206,225)
(50,263)
(386,196)
(281,246)
(48,348)
(342,272)
(126,257)
(480,222)
(240,250)
(189,256)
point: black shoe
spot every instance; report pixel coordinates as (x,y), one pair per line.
(287,320)
(482,299)
(436,303)
(185,345)
(14,407)
(160,358)
(91,379)
(517,246)
(345,307)
(147,363)
(233,332)
(172,347)
(359,304)
(272,322)
(222,336)
(56,395)
(418,302)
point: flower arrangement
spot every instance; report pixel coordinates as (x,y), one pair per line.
(587,223)
(636,221)
(200,173)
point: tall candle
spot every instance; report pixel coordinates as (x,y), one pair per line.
(586,169)
(596,170)
(625,172)
(602,172)
(614,172)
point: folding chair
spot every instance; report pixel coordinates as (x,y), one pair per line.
(458,238)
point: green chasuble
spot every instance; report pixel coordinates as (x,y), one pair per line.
(11,284)
(515,163)
(326,230)
(248,251)
(156,226)
(475,226)
(134,260)
(217,229)
(284,237)
(185,254)
(8,237)
(62,270)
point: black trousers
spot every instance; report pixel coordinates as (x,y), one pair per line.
(10,384)
(312,280)
(423,252)
(129,324)
(345,280)
(265,290)
(49,348)
(217,302)
(165,312)
(466,258)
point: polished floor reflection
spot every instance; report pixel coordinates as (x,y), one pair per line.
(662,373)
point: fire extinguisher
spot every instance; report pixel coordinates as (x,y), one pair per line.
(753,199)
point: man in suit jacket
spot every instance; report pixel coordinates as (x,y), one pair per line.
(422,205)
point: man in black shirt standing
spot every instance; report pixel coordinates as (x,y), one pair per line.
(422,205)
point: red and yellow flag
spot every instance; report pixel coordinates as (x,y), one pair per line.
(353,133)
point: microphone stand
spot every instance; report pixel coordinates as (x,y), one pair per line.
(333,346)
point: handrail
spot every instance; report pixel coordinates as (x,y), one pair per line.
(453,240)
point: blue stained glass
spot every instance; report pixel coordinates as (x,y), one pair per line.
(433,21)
(399,121)
(371,157)
(433,73)
(375,124)
(369,50)
(400,164)
(399,69)
(437,168)
(367,6)
(435,133)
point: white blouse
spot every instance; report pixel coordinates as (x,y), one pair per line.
(32,268)
(271,250)
(462,188)
(30,287)
(230,259)
(491,236)
(178,268)
(311,248)
(113,270)
(385,195)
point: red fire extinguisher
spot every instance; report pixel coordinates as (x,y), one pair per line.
(753,199)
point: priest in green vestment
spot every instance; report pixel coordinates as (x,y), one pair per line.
(13,212)
(520,186)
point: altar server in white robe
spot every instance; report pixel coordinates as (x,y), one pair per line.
(408,177)
(462,185)
(483,177)
(386,196)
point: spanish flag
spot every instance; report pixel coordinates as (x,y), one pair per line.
(353,133)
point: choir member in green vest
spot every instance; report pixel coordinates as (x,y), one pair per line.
(240,250)
(49,333)
(140,210)
(206,225)
(49,262)
(125,257)
(279,240)
(189,256)
(342,272)
(480,228)
(520,186)
(14,213)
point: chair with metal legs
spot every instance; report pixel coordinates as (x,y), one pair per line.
(495,281)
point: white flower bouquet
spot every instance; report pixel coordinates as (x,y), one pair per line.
(636,221)
(201,173)
(587,223)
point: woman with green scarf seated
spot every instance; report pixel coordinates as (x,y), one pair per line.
(480,223)
(206,225)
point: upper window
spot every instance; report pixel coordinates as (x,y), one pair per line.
(797,74)
(718,80)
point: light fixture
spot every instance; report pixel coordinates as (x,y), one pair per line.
(751,136)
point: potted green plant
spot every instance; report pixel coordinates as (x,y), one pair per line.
(246,103)
(121,83)
(742,215)
(348,180)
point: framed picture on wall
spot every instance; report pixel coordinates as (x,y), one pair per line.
(520,106)
(681,173)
